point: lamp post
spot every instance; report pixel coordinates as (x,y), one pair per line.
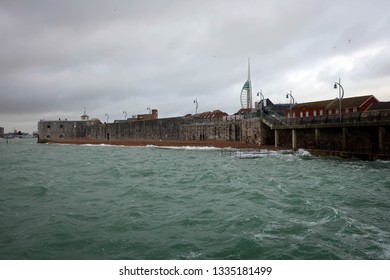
(196,105)
(293,101)
(107,116)
(124,112)
(149,111)
(260,93)
(341,94)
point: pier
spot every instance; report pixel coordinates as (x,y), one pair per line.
(364,135)
(356,135)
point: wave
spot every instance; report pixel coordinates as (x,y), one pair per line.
(190,148)
(102,145)
(253,154)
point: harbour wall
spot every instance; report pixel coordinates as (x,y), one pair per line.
(367,140)
(251,130)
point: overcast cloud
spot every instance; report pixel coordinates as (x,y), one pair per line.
(58,57)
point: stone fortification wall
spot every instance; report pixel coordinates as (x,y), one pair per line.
(251,131)
(160,129)
(211,129)
(165,129)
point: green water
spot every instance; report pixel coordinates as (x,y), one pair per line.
(112,202)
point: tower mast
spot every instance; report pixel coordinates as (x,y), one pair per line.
(246,92)
(249,105)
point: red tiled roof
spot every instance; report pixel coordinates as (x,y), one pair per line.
(351,102)
(315,104)
(213,114)
(379,106)
(243,111)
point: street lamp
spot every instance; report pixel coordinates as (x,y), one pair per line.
(196,105)
(260,93)
(293,101)
(149,111)
(107,116)
(124,112)
(341,94)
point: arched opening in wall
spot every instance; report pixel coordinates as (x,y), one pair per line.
(48,126)
(237,133)
(108,136)
(61,126)
(193,137)
(48,136)
(62,136)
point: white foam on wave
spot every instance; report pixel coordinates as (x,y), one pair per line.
(304,153)
(383,161)
(101,145)
(191,148)
(253,154)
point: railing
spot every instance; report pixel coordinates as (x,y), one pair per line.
(356,117)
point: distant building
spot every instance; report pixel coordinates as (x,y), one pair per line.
(1,131)
(243,111)
(308,109)
(331,107)
(214,114)
(352,104)
(84,117)
(272,108)
(380,106)
(145,117)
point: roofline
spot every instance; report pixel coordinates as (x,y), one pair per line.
(369,96)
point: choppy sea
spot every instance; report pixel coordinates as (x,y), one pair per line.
(116,202)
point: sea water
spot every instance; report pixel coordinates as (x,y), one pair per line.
(117,202)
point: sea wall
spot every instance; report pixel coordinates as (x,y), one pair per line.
(350,139)
(166,129)
(251,131)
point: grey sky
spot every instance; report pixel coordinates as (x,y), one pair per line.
(58,56)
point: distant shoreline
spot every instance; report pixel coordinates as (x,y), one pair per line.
(169,143)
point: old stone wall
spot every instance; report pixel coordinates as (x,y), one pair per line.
(251,131)
(362,139)
(216,129)
(160,129)
(166,129)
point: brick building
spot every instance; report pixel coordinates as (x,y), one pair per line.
(331,107)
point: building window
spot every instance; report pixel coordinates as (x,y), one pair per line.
(321,112)
(61,135)
(354,109)
(47,136)
(307,113)
(330,112)
(61,126)
(315,113)
(301,114)
(48,126)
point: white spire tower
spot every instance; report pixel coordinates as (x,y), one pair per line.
(246,92)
